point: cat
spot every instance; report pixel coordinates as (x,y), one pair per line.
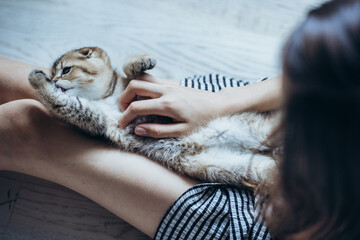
(84,89)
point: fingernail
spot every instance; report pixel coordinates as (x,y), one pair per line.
(140,131)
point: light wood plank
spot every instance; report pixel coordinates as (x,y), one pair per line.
(49,211)
(9,191)
(237,38)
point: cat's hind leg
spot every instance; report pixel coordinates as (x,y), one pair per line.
(216,165)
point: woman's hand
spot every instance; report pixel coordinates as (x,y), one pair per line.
(189,108)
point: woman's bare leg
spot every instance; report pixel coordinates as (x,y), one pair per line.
(13,80)
(132,187)
(32,142)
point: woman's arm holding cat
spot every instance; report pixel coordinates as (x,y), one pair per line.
(259,97)
(191,108)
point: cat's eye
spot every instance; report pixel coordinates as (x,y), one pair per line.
(66,70)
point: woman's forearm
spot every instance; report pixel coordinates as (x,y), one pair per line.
(260,97)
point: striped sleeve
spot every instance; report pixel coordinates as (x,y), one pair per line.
(213,82)
(212,211)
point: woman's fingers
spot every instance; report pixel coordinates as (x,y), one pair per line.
(138,88)
(156,130)
(183,105)
(143,108)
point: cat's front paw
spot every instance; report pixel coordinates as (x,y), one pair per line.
(137,65)
(38,78)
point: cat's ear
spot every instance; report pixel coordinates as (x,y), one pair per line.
(86,52)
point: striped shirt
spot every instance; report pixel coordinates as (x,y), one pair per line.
(212,210)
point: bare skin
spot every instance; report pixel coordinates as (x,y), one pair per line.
(32,142)
(13,84)
(134,188)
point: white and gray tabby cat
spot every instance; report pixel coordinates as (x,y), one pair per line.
(84,90)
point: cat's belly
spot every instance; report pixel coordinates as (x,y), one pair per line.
(110,108)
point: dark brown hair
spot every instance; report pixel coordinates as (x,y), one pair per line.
(317,194)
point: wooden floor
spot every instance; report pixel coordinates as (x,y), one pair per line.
(239,38)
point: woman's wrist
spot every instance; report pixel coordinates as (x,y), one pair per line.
(234,100)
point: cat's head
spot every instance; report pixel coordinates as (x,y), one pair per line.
(84,72)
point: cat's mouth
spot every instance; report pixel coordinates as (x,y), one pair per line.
(63,89)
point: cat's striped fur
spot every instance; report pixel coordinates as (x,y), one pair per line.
(84,90)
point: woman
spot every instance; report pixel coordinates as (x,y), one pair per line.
(316,194)
(318,186)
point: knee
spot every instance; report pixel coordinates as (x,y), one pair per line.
(22,113)
(20,121)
